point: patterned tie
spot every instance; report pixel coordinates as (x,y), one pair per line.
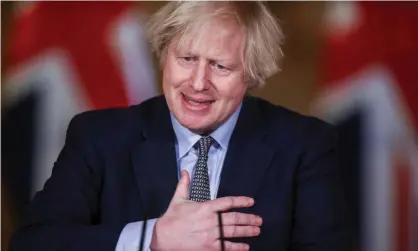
(200,189)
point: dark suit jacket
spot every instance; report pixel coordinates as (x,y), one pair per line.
(119,166)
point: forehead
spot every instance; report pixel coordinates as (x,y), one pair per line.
(217,38)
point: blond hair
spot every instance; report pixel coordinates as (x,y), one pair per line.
(263,36)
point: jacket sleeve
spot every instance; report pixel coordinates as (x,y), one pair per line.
(321,219)
(63,216)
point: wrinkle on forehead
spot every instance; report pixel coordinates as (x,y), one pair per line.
(216,36)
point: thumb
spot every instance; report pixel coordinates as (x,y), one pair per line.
(182,190)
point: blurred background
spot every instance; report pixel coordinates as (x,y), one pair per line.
(353,64)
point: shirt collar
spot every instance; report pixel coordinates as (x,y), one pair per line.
(186,139)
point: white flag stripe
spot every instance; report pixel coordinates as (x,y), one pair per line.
(131,51)
(52,76)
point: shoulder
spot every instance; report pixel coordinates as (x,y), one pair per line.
(115,122)
(289,126)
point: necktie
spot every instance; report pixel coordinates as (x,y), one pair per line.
(200,189)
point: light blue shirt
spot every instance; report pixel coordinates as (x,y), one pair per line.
(186,160)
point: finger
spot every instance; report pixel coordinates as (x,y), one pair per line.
(234,218)
(182,190)
(226,203)
(236,231)
(239,231)
(231,246)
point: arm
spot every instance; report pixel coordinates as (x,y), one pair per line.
(63,216)
(321,214)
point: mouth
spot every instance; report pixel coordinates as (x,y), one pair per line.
(196,102)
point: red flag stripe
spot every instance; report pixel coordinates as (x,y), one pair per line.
(72,27)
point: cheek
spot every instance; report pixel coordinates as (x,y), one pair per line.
(174,75)
(231,90)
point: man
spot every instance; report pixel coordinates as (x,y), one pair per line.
(202,148)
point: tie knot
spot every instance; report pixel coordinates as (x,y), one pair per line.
(204,144)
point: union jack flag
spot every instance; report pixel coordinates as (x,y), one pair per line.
(370,89)
(65,58)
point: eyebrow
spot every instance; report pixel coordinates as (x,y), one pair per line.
(217,60)
(222,61)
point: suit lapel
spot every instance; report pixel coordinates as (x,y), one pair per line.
(248,157)
(156,175)
(154,161)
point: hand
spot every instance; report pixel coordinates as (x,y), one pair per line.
(189,225)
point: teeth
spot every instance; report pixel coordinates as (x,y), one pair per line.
(196,102)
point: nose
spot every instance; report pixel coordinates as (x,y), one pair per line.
(200,80)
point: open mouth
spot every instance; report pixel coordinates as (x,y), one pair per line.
(197,102)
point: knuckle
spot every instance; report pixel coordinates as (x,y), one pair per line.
(235,217)
(246,231)
(242,246)
(230,201)
(252,231)
(255,231)
(234,231)
(229,245)
(252,219)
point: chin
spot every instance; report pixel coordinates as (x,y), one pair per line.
(195,125)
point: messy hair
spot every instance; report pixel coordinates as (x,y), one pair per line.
(262,33)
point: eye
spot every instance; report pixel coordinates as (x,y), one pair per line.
(220,68)
(187,59)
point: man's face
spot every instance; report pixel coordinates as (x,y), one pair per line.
(203,81)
